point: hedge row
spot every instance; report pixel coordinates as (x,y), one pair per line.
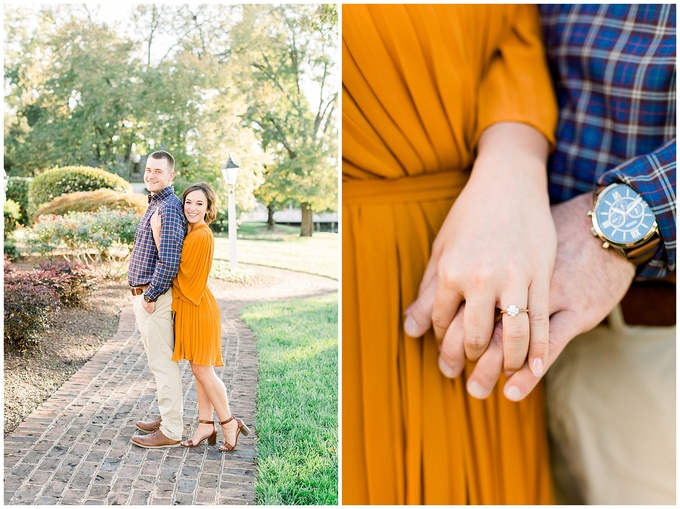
(91,201)
(72,179)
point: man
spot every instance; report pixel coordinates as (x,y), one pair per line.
(611,393)
(150,277)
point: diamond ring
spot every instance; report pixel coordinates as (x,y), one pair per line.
(513,310)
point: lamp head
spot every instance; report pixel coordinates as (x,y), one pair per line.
(230,172)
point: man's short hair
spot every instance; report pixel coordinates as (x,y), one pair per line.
(162,154)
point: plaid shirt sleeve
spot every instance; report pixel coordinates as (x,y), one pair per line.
(614,71)
(170,252)
(653,176)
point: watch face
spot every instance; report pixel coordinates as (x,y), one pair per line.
(622,216)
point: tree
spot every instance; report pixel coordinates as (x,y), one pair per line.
(82,93)
(202,81)
(300,41)
(73,103)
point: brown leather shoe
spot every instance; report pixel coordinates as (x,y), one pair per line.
(148,426)
(155,440)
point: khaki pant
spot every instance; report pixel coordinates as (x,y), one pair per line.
(611,414)
(158,338)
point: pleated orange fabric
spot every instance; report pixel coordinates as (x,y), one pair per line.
(198,329)
(420,84)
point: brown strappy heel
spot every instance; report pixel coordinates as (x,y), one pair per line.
(212,438)
(242,428)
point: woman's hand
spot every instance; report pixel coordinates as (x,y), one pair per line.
(588,281)
(496,248)
(155,224)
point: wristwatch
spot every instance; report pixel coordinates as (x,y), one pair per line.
(148,299)
(623,220)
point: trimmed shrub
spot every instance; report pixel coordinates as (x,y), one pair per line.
(82,236)
(17,191)
(30,305)
(91,201)
(12,213)
(72,179)
(10,250)
(73,282)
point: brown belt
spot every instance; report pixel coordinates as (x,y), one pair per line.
(650,303)
(138,290)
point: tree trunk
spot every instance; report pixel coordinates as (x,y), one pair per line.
(270,216)
(307,224)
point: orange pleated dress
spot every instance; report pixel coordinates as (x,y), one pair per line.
(420,84)
(198,329)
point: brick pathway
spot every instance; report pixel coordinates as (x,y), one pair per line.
(75,448)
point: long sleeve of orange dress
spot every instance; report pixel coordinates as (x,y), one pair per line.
(198,330)
(420,84)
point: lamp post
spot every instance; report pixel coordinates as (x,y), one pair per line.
(230,174)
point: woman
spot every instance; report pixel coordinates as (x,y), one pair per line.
(448,114)
(198,329)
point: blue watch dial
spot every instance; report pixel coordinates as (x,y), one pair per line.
(622,215)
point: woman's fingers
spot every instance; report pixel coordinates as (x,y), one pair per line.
(478,324)
(452,350)
(447,300)
(156,218)
(418,316)
(515,326)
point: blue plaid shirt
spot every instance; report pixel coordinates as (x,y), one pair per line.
(147,264)
(614,73)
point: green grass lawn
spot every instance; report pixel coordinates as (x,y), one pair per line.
(297,419)
(259,231)
(284,249)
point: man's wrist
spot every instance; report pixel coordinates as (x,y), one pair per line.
(149,299)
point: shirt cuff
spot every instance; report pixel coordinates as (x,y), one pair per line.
(653,176)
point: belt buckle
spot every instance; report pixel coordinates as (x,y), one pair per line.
(138,290)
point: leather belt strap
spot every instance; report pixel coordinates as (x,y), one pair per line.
(650,303)
(138,290)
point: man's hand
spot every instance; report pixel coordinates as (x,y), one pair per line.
(587,282)
(150,307)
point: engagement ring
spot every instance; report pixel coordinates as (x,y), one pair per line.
(513,310)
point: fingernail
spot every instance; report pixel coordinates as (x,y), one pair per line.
(475,390)
(446,370)
(411,326)
(512,393)
(537,367)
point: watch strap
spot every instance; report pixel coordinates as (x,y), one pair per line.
(644,253)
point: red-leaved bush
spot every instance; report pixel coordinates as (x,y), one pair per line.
(73,282)
(29,307)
